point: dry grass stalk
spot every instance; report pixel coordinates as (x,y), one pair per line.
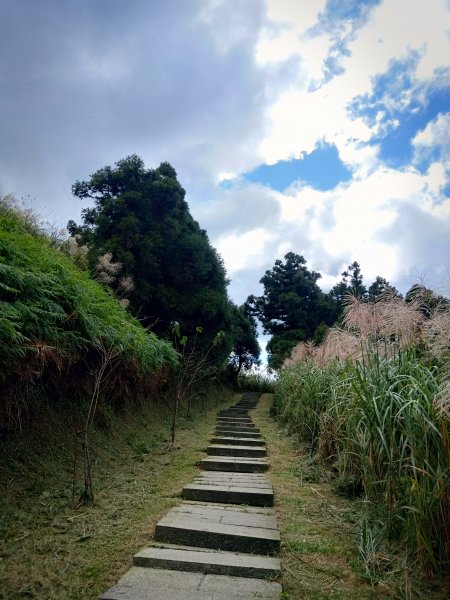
(387,324)
(300,353)
(339,344)
(106,263)
(437,332)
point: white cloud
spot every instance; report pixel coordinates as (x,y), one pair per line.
(392,31)
(384,221)
(436,132)
(241,251)
(301,118)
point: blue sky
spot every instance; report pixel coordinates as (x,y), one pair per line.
(322,169)
(316,127)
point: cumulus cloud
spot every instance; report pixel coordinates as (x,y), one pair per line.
(437,132)
(86,85)
(219,87)
(390,222)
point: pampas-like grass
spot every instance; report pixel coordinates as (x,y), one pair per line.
(374,400)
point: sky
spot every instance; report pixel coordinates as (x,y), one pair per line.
(320,127)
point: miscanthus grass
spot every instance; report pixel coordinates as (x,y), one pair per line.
(373,403)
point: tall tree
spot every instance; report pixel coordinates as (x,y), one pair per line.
(141,217)
(381,286)
(354,280)
(292,306)
(246,350)
(351,283)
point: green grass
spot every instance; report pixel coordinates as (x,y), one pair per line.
(57,325)
(374,422)
(324,552)
(256,382)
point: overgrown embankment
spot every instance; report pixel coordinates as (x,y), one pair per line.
(64,336)
(372,406)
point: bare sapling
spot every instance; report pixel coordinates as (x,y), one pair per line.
(194,367)
(101,375)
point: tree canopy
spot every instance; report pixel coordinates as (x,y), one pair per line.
(292,306)
(246,351)
(141,217)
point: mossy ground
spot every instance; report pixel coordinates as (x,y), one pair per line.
(53,550)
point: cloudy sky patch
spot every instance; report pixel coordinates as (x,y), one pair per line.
(319,127)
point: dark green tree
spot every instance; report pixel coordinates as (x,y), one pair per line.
(292,306)
(141,216)
(246,350)
(354,280)
(381,286)
(351,283)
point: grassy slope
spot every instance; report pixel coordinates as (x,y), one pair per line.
(318,529)
(52,315)
(48,549)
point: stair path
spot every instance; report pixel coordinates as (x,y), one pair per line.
(220,542)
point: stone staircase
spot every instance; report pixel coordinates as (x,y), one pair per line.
(220,542)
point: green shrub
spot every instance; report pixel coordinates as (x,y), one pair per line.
(256,382)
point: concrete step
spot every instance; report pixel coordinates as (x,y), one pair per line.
(140,583)
(229,492)
(240,428)
(256,477)
(227,450)
(241,434)
(232,464)
(238,441)
(234,416)
(213,526)
(188,558)
(234,421)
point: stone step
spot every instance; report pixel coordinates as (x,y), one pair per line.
(237,480)
(238,441)
(188,558)
(227,450)
(228,415)
(233,476)
(244,417)
(205,491)
(230,464)
(241,434)
(234,421)
(205,527)
(140,583)
(228,427)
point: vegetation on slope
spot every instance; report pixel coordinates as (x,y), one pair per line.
(56,322)
(51,549)
(372,403)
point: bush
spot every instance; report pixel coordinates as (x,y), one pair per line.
(256,382)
